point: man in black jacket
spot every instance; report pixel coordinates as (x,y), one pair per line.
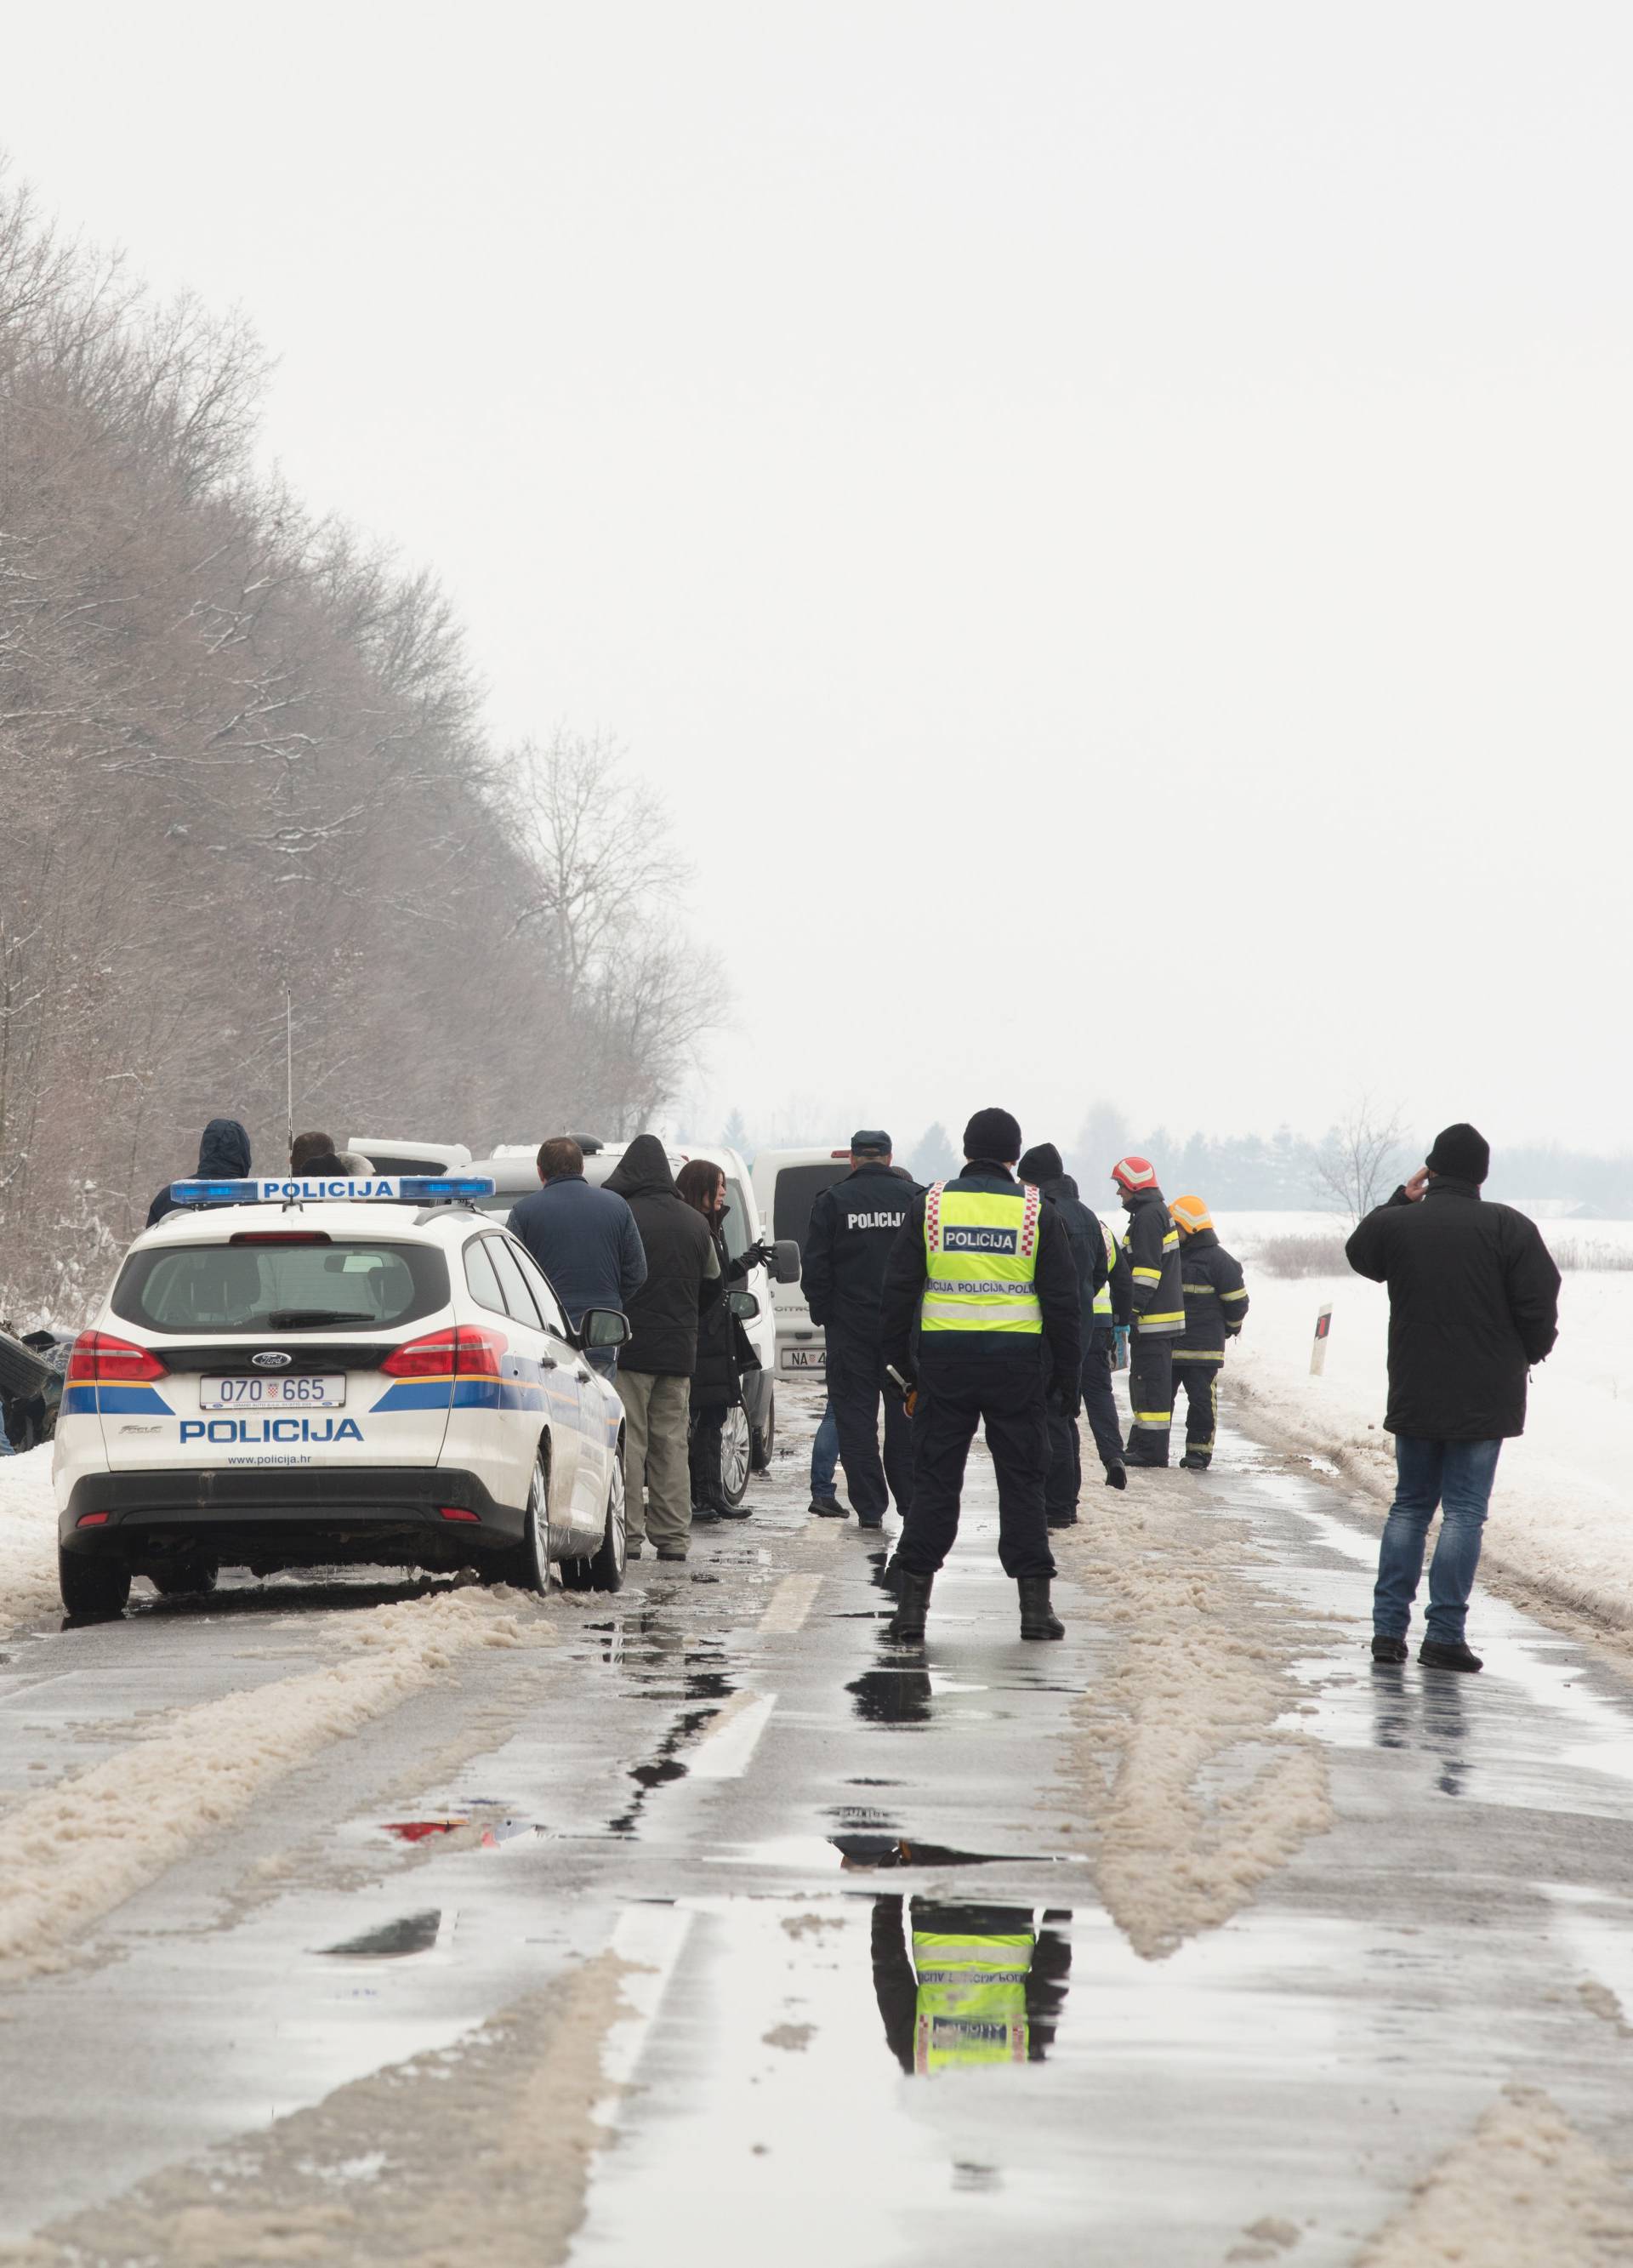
(1044,1167)
(853,1223)
(222,1156)
(655,1364)
(1474,1300)
(991,1269)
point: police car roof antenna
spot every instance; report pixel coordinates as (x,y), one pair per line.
(289,1063)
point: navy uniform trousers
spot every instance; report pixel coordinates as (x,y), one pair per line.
(1007,1396)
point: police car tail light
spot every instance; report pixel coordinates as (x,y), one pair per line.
(280,1236)
(468,1350)
(101,1359)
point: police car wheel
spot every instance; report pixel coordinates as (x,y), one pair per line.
(603,1569)
(528,1564)
(93,1590)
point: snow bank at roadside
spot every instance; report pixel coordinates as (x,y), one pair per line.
(77,1849)
(28,1591)
(1562,1518)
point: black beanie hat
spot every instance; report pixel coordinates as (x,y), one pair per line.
(1461,1151)
(1042,1162)
(993,1134)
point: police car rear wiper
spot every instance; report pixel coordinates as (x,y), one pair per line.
(292,1319)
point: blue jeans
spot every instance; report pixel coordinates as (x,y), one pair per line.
(1454,1477)
(824,1453)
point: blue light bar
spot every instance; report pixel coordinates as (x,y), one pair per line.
(399,1188)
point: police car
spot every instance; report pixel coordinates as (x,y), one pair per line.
(292,1373)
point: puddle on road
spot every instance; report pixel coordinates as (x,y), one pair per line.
(413,1932)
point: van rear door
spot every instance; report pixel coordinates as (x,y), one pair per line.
(787,1183)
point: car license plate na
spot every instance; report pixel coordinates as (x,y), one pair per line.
(804,1357)
(307,1390)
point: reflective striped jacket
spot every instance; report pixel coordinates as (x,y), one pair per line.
(1153,1249)
(1216,1299)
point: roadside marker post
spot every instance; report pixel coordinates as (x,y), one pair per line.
(1318,1353)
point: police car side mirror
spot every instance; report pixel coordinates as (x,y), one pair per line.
(744,1304)
(603,1327)
(784,1261)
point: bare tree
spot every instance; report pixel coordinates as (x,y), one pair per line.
(1361,1160)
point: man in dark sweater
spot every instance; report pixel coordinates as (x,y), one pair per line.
(585,1238)
(1044,1167)
(654,1379)
(1473,1302)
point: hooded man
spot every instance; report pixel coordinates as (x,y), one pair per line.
(655,1366)
(1474,1300)
(222,1156)
(1156,1300)
(1216,1305)
(984,1268)
(1092,1253)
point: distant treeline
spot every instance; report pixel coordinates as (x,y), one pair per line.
(241,751)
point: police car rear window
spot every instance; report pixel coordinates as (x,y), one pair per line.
(798,1187)
(372,1285)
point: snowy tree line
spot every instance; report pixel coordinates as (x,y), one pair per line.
(241,751)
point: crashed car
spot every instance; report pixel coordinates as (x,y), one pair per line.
(32,1363)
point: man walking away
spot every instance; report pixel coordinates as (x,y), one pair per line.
(1215,1303)
(853,1223)
(1157,1303)
(1474,1300)
(1099,1404)
(585,1238)
(1044,1167)
(985,1269)
(654,1374)
(222,1156)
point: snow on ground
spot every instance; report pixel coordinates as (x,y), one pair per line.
(1561,1520)
(28,1592)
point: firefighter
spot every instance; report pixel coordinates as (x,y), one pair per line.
(984,1268)
(1157,1306)
(1215,1302)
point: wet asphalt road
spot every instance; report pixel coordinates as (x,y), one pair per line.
(703,1775)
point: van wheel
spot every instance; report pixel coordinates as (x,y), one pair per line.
(527,1563)
(604,1570)
(765,1437)
(188,1578)
(735,1456)
(93,1590)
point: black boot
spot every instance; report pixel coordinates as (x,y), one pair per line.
(1386,1648)
(1434,1655)
(1038,1618)
(1063,1519)
(907,1624)
(1117,1475)
(1195,1461)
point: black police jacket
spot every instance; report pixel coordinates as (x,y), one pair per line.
(1474,1298)
(1088,1246)
(853,1222)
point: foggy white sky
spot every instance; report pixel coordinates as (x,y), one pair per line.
(1112,525)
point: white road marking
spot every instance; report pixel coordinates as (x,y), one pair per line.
(731,1741)
(790,1603)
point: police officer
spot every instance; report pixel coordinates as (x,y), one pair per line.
(984,1268)
(1216,1306)
(1158,1300)
(1043,1166)
(854,1223)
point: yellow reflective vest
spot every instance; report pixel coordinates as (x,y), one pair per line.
(980,1260)
(1102,1298)
(972,2000)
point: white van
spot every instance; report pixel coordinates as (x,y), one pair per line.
(406,1153)
(787,1183)
(750,1431)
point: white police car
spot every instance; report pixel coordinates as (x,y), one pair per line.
(368,1371)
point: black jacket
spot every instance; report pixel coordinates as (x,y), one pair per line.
(724,1350)
(681,1264)
(1474,1299)
(222,1156)
(1216,1299)
(854,1223)
(1088,1245)
(1157,1294)
(1056,1284)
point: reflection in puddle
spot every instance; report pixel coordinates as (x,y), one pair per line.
(963,1988)
(415,1933)
(893,1697)
(419,1830)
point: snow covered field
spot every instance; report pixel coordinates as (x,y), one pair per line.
(1560,1514)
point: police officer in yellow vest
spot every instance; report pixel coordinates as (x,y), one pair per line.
(964,1988)
(983,1268)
